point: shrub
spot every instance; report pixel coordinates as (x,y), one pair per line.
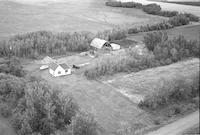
(84,124)
(12,66)
(192,17)
(168,13)
(117,34)
(152,9)
(131,61)
(179,20)
(152,39)
(124,4)
(179,90)
(133,31)
(113,3)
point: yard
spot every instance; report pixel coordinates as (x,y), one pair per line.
(113,101)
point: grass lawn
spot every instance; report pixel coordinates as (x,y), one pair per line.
(67,16)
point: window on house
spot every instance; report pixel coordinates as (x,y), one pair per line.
(59,72)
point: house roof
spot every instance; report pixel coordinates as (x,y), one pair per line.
(64,66)
(53,66)
(98,43)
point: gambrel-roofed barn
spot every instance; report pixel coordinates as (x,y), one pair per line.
(103,44)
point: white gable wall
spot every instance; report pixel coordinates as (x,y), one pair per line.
(59,72)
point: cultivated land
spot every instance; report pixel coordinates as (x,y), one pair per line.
(20,16)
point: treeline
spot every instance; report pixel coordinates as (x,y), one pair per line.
(35,44)
(182,96)
(150,9)
(162,51)
(35,108)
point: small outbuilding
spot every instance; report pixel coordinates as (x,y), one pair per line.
(57,70)
(47,60)
(103,44)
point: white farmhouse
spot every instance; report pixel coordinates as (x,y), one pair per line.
(57,70)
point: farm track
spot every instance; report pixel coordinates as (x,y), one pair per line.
(179,126)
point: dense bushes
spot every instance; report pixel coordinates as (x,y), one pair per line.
(170,51)
(152,39)
(35,44)
(36,108)
(173,93)
(124,4)
(111,35)
(168,13)
(162,51)
(179,20)
(154,27)
(42,42)
(129,62)
(152,9)
(192,17)
(11,66)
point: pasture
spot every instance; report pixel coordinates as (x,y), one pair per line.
(20,16)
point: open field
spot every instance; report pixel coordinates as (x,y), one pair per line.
(136,86)
(184,2)
(190,32)
(20,16)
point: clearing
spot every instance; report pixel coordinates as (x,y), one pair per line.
(112,108)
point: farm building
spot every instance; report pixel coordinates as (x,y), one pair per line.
(104,45)
(59,69)
(47,60)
